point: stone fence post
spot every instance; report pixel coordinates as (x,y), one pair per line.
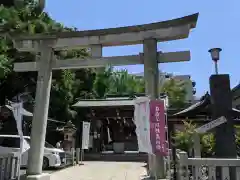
(183,166)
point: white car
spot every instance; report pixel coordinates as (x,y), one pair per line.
(53,157)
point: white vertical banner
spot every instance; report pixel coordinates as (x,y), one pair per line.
(17,109)
(85,135)
(108,133)
(18,116)
(141,119)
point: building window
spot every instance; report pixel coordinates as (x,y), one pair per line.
(12,142)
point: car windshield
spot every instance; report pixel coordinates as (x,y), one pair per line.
(47,145)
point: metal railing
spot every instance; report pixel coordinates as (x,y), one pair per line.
(8,166)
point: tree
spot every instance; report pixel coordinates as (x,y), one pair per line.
(62,96)
(102,82)
(67,84)
(176,93)
(121,82)
(117,83)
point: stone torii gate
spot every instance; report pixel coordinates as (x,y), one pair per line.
(45,44)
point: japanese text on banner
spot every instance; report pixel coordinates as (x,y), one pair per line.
(158,130)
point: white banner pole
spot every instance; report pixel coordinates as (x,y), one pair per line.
(81,157)
(81,153)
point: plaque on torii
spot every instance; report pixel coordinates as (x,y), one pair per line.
(46,44)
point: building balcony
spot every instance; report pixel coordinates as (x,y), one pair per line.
(193,83)
(194,91)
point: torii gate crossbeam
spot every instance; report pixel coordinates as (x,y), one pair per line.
(104,61)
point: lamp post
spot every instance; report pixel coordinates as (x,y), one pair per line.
(215,54)
(221,105)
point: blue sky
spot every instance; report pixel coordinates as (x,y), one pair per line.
(218,26)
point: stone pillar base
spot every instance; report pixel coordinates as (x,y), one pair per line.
(43,176)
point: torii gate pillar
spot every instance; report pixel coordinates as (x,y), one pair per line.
(151,76)
(40,115)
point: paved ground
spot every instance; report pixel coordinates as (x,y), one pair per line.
(102,171)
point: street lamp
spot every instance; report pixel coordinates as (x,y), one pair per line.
(215,54)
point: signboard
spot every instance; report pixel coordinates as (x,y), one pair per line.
(141,118)
(158,127)
(211,125)
(85,135)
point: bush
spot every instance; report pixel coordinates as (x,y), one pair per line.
(184,140)
(207,145)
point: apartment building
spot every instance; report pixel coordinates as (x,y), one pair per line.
(185,79)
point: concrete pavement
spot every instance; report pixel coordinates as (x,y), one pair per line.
(102,171)
(23,173)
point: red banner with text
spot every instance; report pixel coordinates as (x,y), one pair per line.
(158,128)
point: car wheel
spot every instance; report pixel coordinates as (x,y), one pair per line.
(45,163)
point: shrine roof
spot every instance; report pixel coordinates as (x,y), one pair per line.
(237,87)
(203,107)
(236,92)
(108,102)
(112,100)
